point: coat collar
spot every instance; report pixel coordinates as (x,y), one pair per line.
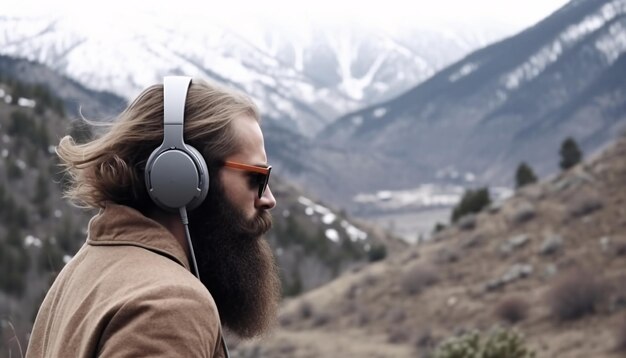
(117,225)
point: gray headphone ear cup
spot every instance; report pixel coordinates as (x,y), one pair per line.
(173,179)
(203,176)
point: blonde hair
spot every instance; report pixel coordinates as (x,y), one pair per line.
(111,167)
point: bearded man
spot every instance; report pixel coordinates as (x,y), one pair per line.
(130,291)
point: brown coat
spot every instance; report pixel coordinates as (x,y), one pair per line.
(128,292)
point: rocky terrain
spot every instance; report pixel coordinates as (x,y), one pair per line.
(549,262)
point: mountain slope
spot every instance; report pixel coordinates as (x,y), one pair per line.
(512,101)
(548,262)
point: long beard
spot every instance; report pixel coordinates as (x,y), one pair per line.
(236,264)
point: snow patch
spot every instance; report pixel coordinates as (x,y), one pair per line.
(379,112)
(5,153)
(32,241)
(58,213)
(329,218)
(464,71)
(353,232)
(613,44)
(357,120)
(26,102)
(332,235)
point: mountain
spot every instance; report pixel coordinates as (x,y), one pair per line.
(40,231)
(515,100)
(76,97)
(548,263)
(303,77)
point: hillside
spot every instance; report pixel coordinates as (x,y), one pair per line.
(40,231)
(549,262)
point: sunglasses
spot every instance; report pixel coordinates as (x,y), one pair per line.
(261,174)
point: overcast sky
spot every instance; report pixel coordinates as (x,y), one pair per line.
(384,13)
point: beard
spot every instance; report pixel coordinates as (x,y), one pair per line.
(235,263)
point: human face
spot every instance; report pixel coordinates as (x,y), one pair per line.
(241,186)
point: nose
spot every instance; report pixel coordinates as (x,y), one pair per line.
(267,201)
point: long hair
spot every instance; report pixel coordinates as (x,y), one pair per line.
(111,167)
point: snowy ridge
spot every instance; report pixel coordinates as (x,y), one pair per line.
(302,78)
(611,45)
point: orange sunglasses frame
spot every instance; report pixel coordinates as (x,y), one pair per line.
(252,168)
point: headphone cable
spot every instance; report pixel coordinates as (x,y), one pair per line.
(194,263)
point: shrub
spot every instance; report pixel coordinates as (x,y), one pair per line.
(472,201)
(575,295)
(377,253)
(498,344)
(320,319)
(620,336)
(305,310)
(524,175)
(418,278)
(438,227)
(512,309)
(398,334)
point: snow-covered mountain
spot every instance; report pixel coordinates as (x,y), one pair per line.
(302,78)
(512,101)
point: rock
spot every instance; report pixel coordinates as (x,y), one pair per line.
(533,192)
(551,245)
(514,243)
(495,207)
(516,272)
(467,222)
(605,244)
(585,204)
(523,212)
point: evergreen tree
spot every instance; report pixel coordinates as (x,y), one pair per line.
(524,175)
(570,153)
(41,190)
(472,201)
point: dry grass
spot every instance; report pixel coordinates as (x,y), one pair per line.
(417,278)
(512,309)
(576,294)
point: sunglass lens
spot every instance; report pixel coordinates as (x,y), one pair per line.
(263,181)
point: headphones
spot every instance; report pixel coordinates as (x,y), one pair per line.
(176,174)
(177,177)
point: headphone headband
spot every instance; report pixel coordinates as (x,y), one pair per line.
(174,96)
(176,173)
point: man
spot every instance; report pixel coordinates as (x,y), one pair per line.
(130,290)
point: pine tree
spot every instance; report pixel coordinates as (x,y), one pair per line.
(570,153)
(41,190)
(524,175)
(473,201)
